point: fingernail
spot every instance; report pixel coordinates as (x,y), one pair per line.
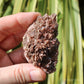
(36,75)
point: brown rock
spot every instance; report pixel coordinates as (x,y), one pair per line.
(40,43)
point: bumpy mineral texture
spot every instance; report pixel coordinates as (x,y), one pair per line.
(40,43)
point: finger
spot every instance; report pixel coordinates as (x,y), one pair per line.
(4,59)
(12,28)
(21,73)
(17,56)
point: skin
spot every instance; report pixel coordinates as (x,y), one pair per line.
(13,66)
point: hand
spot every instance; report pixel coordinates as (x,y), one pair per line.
(12,29)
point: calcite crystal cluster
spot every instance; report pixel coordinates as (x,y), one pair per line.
(40,43)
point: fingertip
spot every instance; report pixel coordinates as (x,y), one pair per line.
(37,75)
(43,74)
(39,72)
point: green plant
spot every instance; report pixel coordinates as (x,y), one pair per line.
(69,69)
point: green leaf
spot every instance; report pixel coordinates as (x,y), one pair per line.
(51,78)
(17,6)
(75,17)
(65,39)
(83,42)
(31,5)
(52,6)
(8,11)
(1,7)
(57,73)
(42,6)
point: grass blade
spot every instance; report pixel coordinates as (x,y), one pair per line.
(65,39)
(8,11)
(23,5)
(51,78)
(70,53)
(17,6)
(42,6)
(57,73)
(1,7)
(82,42)
(74,10)
(31,5)
(52,6)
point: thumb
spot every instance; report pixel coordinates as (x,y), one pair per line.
(21,73)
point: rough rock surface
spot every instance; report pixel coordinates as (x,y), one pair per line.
(40,43)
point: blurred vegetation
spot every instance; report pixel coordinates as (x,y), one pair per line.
(70,17)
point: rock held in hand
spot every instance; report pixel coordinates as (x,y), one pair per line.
(40,43)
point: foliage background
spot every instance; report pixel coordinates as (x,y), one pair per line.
(70,17)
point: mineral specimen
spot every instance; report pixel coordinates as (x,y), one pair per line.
(40,43)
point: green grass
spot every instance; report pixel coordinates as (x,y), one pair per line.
(69,69)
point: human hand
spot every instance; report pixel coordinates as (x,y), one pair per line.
(12,29)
